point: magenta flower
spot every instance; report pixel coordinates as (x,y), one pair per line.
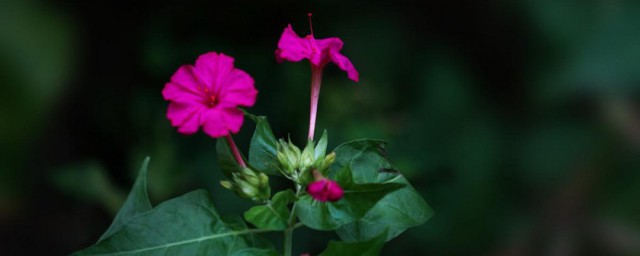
(318,51)
(325,190)
(208,95)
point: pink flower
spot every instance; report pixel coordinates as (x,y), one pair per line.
(318,51)
(208,95)
(325,190)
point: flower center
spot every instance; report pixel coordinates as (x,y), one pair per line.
(212,101)
(210,98)
(314,49)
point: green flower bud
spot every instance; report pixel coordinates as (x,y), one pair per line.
(264,188)
(248,190)
(328,160)
(284,164)
(307,157)
(250,176)
(293,155)
(264,179)
(227,184)
(289,157)
(250,184)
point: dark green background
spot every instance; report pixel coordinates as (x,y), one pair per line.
(516,120)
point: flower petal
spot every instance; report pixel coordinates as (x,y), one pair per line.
(332,43)
(177,93)
(185,116)
(334,191)
(322,48)
(291,47)
(213,69)
(316,187)
(239,90)
(233,119)
(317,190)
(183,81)
(344,64)
(214,125)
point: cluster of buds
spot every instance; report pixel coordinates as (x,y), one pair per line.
(297,164)
(250,184)
(289,158)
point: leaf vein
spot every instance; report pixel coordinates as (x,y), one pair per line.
(188,241)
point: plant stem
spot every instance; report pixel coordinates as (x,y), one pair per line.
(316,81)
(235,151)
(288,233)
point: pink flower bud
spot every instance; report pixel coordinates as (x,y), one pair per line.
(325,190)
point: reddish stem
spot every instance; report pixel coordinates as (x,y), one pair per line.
(235,151)
(316,80)
(317,175)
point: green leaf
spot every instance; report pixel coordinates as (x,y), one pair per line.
(236,223)
(362,248)
(263,148)
(136,204)
(256,252)
(321,148)
(358,199)
(399,210)
(187,225)
(274,215)
(226,160)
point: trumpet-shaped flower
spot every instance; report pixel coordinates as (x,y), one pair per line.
(319,52)
(208,94)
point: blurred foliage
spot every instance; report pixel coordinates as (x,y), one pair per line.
(518,121)
(95,186)
(35,45)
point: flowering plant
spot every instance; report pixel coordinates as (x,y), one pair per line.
(353,190)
